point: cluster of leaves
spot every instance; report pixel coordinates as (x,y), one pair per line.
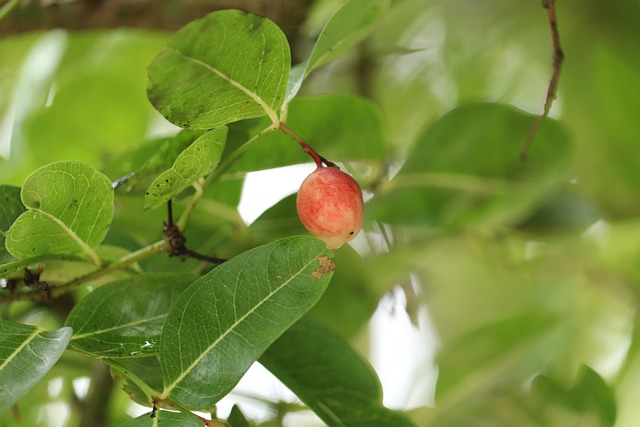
(531,306)
(182,341)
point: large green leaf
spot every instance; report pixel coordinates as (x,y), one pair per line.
(10,209)
(340,127)
(227,66)
(196,161)
(465,170)
(164,418)
(70,207)
(223,322)
(327,375)
(26,355)
(125,318)
(348,27)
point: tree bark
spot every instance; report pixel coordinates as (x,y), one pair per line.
(32,15)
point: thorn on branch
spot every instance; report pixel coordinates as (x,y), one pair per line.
(176,242)
(558,57)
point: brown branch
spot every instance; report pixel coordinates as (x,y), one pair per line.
(148,14)
(176,241)
(558,57)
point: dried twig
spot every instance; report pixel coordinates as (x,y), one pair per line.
(558,57)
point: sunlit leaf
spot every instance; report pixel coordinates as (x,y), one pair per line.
(164,418)
(26,354)
(125,318)
(196,161)
(10,209)
(223,322)
(227,66)
(327,375)
(348,27)
(70,207)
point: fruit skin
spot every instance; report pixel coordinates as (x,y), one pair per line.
(330,206)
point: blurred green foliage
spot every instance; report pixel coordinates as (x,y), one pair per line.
(528,271)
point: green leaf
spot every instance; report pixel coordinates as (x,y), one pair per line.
(146,369)
(237,418)
(328,376)
(149,159)
(196,161)
(465,170)
(10,209)
(225,67)
(279,221)
(592,393)
(223,322)
(351,24)
(26,355)
(164,418)
(125,318)
(340,127)
(70,207)
(352,298)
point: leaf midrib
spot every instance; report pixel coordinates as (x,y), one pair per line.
(115,328)
(31,337)
(256,98)
(83,245)
(167,389)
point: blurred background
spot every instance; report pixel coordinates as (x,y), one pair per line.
(474,311)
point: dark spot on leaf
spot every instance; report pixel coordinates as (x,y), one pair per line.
(326,265)
(36,204)
(166,180)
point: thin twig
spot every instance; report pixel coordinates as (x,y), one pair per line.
(176,241)
(558,57)
(120,264)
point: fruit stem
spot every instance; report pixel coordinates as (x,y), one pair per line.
(317,158)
